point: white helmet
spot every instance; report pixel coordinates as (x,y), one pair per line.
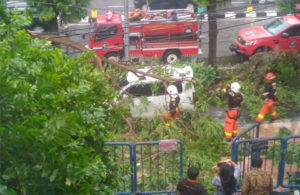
(235,87)
(172,90)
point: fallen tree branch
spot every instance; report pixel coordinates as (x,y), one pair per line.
(99,59)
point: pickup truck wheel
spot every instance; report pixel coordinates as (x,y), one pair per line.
(171,56)
(262,49)
(113,56)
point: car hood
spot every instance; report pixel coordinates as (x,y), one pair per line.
(255,32)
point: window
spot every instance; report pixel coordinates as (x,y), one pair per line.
(276,26)
(294,31)
(158,88)
(104,32)
(156,37)
(181,36)
(140,90)
(178,84)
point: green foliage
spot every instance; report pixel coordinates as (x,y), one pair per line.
(55,114)
(287,68)
(204,74)
(67,10)
(288,6)
(283,132)
(251,76)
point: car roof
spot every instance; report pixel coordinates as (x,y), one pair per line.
(292,19)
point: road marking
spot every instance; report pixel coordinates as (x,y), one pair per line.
(118,6)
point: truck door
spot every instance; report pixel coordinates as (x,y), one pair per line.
(107,38)
(290,39)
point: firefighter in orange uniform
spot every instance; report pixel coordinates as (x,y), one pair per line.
(269,96)
(173,112)
(235,99)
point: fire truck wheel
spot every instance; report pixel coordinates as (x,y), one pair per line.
(171,56)
(113,56)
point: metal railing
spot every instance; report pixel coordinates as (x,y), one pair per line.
(249,133)
(281,156)
(153,167)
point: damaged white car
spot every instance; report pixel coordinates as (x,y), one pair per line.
(149,94)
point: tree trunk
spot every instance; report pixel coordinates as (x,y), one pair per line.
(213,32)
(52,26)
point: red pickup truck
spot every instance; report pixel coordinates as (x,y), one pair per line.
(281,34)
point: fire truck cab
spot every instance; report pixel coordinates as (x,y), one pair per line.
(159,34)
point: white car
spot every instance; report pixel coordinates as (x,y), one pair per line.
(149,93)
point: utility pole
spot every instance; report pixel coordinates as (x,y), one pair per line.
(126,34)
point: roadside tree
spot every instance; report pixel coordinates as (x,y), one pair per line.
(291,6)
(212,27)
(49,10)
(55,116)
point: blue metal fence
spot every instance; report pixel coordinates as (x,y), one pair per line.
(121,153)
(290,162)
(281,157)
(249,133)
(151,168)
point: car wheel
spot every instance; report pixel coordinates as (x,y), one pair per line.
(113,56)
(171,56)
(190,6)
(262,50)
(144,7)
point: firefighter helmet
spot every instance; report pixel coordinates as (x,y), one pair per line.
(235,87)
(270,76)
(172,90)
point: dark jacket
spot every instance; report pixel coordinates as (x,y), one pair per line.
(234,99)
(188,187)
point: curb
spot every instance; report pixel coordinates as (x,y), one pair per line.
(252,14)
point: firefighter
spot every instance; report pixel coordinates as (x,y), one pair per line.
(173,112)
(269,97)
(235,99)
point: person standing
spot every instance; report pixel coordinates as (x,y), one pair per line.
(225,178)
(235,100)
(257,181)
(269,96)
(190,185)
(173,112)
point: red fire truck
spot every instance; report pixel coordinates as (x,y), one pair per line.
(161,33)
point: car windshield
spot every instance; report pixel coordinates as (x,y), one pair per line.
(276,26)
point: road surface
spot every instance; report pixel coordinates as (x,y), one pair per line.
(227,28)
